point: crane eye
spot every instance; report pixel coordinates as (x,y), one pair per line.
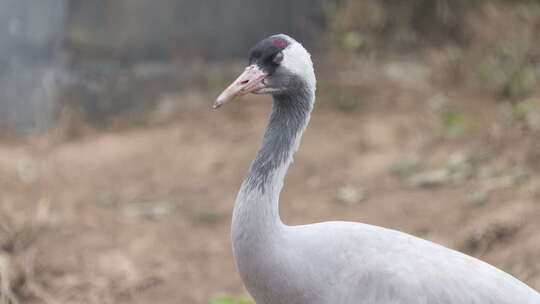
(278,58)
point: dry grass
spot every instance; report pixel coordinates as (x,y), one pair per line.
(140,215)
(19,256)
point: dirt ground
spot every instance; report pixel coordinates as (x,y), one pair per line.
(142,214)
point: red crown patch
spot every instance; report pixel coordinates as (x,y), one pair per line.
(280,43)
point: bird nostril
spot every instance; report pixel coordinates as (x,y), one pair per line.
(244,82)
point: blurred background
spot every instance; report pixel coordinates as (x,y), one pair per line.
(117,181)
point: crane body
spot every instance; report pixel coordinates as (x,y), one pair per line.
(334,262)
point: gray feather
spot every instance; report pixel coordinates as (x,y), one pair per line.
(342,262)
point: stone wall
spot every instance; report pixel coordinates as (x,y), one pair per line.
(30,36)
(150,29)
(47,46)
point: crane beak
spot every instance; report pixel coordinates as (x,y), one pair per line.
(250,80)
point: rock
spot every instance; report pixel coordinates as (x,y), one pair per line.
(521,82)
(349,195)
(533,120)
(522,109)
(148,209)
(486,172)
(408,74)
(104,198)
(404,166)
(209,217)
(518,174)
(439,103)
(477,198)
(430,178)
(458,159)
(27,173)
(459,177)
(460,165)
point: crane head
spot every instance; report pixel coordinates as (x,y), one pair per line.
(277,64)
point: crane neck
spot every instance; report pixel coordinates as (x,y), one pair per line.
(256,208)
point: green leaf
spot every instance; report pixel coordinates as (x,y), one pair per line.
(223,300)
(520,110)
(229,300)
(453,122)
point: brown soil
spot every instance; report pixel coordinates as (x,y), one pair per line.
(142,215)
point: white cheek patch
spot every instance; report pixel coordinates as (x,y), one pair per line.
(298,60)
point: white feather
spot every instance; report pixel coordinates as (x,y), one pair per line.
(298,60)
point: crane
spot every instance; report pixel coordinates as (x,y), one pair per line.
(334,262)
